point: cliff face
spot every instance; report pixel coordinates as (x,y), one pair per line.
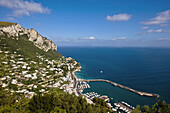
(33,36)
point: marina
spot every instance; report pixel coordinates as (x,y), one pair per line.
(117,107)
(81,84)
(123,107)
(124,87)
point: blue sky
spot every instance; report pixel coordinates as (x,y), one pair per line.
(117,23)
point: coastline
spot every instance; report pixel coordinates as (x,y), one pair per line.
(123,87)
(90,95)
(115,84)
(77,70)
(79,91)
(92,66)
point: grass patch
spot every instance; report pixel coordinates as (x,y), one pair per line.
(6,24)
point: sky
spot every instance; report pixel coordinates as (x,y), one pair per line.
(115,23)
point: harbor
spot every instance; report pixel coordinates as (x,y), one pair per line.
(124,87)
(117,107)
(81,84)
(123,107)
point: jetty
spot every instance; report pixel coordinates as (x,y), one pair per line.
(122,107)
(124,87)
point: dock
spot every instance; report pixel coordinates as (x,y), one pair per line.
(124,87)
(124,107)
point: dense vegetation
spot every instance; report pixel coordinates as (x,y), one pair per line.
(56,101)
(5,24)
(99,101)
(158,107)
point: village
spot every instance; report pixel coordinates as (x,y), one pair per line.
(23,75)
(29,77)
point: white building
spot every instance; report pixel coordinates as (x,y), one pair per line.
(14,81)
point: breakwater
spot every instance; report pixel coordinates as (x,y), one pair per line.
(124,87)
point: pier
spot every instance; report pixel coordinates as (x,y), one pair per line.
(124,108)
(124,87)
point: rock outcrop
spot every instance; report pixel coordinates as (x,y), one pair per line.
(33,36)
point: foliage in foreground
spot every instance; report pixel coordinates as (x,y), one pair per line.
(158,107)
(56,101)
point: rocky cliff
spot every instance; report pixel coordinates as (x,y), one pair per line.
(39,41)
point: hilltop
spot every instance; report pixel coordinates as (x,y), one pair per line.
(14,30)
(6,24)
(27,41)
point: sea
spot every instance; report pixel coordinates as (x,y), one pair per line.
(143,69)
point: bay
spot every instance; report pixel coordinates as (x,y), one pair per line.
(143,69)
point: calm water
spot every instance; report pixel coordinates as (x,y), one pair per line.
(143,69)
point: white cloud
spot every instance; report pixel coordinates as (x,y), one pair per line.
(21,7)
(161,18)
(163,25)
(37,24)
(159,31)
(119,17)
(87,38)
(120,38)
(146,27)
(91,38)
(163,39)
(66,40)
(10,18)
(154,31)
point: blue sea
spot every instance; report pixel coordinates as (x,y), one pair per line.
(143,69)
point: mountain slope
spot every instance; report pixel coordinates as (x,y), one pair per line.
(23,42)
(35,78)
(14,30)
(25,47)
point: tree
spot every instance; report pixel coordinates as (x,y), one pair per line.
(158,107)
(145,109)
(6,98)
(137,110)
(58,110)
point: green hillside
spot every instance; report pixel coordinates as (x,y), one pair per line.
(25,47)
(56,101)
(35,81)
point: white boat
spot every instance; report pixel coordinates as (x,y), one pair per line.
(121,108)
(124,109)
(113,109)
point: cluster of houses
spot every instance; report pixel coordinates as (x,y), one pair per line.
(26,76)
(29,77)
